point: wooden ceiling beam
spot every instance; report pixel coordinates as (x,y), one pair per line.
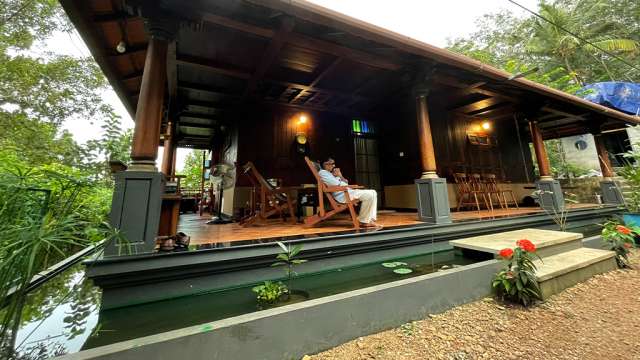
(196,125)
(206,104)
(206,88)
(474,88)
(477,105)
(564,113)
(270,55)
(213,66)
(319,77)
(306,42)
(494,114)
(199,116)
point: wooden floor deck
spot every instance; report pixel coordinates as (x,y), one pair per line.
(201,233)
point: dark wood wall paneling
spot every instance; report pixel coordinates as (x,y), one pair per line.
(453,151)
(267,136)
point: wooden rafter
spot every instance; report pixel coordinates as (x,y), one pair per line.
(319,78)
(210,65)
(474,88)
(270,55)
(306,42)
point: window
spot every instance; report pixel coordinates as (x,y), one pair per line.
(580,145)
(361,127)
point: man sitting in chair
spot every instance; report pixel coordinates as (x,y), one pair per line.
(332,176)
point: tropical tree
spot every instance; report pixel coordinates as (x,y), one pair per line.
(550,39)
(192,169)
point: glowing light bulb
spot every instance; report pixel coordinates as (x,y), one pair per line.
(486,125)
(303,119)
(121,47)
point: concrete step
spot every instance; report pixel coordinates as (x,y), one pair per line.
(547,242)
(558,272)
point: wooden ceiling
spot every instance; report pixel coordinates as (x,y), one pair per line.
(229,54)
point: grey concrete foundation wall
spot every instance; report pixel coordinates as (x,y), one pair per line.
(143,293)
(289,332)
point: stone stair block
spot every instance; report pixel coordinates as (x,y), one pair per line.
(558,272)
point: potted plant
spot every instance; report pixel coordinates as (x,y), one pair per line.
(631,174)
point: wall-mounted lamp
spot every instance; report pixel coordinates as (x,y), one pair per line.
(302,119)
(486,125)
(121,47)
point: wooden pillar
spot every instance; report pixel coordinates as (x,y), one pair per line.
(146,134)
(603,157)
(168,160)
(427,154)
(173,160)
(541,153)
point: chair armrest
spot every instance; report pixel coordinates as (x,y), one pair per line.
(336,188)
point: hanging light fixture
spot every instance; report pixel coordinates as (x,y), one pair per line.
(121,47)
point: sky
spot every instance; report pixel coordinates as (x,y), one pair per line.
(430,21)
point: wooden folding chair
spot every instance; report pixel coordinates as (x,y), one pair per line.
(468,192)
(491,187)
(336,207)
(273,200)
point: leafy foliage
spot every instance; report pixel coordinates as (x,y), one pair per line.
(270,292)
(398,267)
(288,258)
(631,173)
(517,281)
(192,170)
(516,43)
(620,239)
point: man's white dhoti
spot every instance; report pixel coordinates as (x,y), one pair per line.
(368,204)
(368,198)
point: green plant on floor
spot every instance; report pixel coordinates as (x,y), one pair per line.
(517,282)
(398,267)
(620,239)
(288,260)
(630,172)
(559,216)
(270,292)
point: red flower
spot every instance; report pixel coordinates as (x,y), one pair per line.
(623,230)
(627,245)
(526,245)
(506,253)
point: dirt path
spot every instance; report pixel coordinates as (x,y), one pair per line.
(598,319)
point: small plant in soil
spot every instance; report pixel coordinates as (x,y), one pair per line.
(517,282)
(270,292)
(620,239)
(288,260)
(398,267)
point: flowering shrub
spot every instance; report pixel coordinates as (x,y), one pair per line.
(517,281)
(620,239)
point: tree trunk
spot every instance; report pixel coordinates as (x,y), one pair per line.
(571,71)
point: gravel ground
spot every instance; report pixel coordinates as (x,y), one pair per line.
(598,319)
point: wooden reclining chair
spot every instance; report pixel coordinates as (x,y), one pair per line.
(273,200)
(336,207)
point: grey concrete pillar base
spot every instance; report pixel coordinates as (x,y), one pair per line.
(433,201)
(611,194)
(550,195)
(135,211)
